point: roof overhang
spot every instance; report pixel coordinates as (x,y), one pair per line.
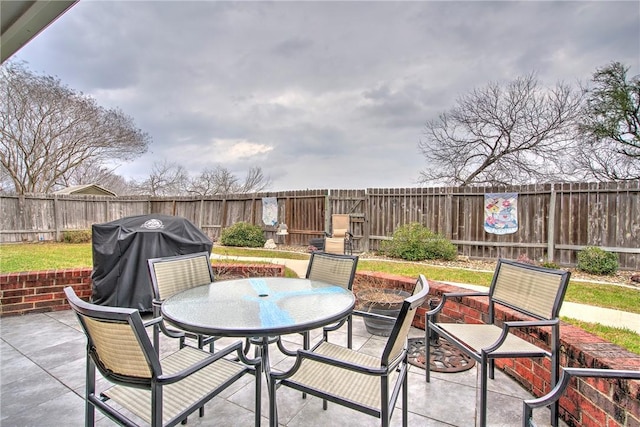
(23,20)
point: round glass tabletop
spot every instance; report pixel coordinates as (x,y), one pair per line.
(258,306)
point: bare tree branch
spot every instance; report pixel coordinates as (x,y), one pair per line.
(501,135)
(48,130)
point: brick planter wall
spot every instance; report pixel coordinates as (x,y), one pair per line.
(588,403)
(42,291)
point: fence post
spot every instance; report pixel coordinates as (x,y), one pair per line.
(201,213)
(551,226)
(56,222)
(327,212)
(366,225)
(448,215)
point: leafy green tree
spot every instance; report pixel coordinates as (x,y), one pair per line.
(610,131)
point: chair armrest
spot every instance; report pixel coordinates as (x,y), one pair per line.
(565,377)
(530,323)
(152,321)
(203,363)
(449,295)
(506,326)
(307,354)
(372,315)
(335,326)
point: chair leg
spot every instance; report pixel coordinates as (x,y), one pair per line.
(483,389)
(427,351)
(89,409)
(405,400)
(273,406)
(156,338)
(257,400)
(349,332)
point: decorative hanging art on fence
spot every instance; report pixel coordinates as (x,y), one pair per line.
(270,211)
(501,213)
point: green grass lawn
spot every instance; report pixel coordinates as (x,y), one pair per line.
(45,256)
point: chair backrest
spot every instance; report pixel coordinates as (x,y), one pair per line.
(170,275)
(537,290)
(117,341)
(332,268)
(340,224)
(397,340)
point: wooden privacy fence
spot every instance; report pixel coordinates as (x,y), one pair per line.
(555,221)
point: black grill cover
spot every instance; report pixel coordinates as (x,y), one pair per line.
(121,249)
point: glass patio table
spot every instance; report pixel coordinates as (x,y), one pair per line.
(258,308)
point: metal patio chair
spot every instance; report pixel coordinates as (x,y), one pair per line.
(536,294)
(565,379)
(173,274)
(338,270)
(359,381)
(159,392)
(340,240)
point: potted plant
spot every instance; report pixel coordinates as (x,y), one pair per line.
(378,300)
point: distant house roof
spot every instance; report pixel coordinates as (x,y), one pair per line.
(91,189)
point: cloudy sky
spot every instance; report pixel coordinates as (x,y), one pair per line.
(318,94)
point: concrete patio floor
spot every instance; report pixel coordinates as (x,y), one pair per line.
(42,361)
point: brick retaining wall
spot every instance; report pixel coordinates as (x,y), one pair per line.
(42,291)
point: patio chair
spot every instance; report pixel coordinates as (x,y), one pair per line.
(356,380)
(173,274)
(563,383)
(340,240)
(533,293)
(159,392)
(338,270)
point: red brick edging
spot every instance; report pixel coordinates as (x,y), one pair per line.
(42,291)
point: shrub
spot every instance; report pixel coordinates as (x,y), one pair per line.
(597,261)
(243,234)
(76,236)
(550,264)
(415,242)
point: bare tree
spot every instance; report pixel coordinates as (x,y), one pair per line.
(220,180)
(48,130)
(166,179)
(502,135)
(255,181)
(609,133)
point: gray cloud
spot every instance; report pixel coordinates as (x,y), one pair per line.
(319,94)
